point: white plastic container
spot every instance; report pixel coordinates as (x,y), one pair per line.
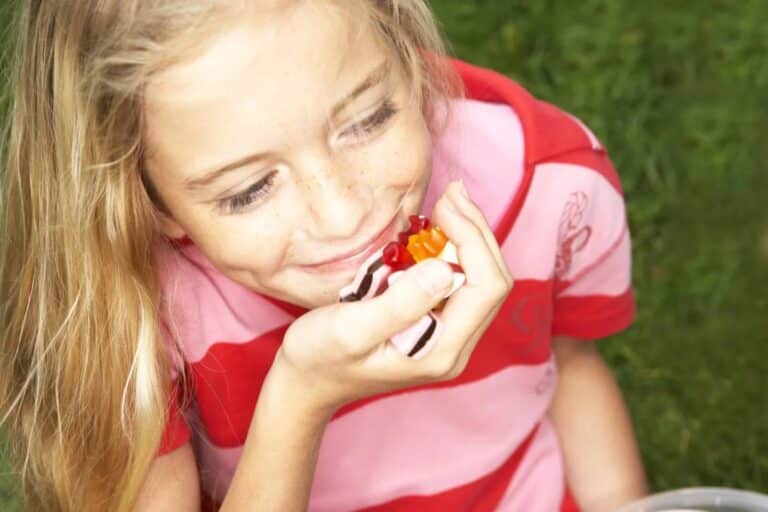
(701,499)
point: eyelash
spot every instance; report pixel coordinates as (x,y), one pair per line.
(378,118)
(237,203)
(255,192)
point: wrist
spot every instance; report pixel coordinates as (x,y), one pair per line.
(289,391)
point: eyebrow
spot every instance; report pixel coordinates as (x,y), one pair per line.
(378,75)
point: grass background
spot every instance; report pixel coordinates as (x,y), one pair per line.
(677,91)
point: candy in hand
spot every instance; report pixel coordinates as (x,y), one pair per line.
(381,269)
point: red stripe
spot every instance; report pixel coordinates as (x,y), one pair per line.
(519,335)
(507,221)
(182,242)
(594,317)
(569,503)
(228,381)
(481,495)
(228,378)
(176,432)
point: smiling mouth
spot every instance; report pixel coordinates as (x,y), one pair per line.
(354,260)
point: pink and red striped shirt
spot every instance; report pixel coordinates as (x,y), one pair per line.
(483,441)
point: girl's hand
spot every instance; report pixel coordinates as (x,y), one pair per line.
(340,353)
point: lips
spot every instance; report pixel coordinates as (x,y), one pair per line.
(355,259)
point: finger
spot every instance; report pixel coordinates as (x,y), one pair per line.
(465,318)
(476,336)
(443,361)
(475,255)
(366,324)
(461,199)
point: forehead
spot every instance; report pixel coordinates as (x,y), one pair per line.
(269,41)
(280,67)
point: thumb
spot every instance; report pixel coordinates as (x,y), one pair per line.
(410,297)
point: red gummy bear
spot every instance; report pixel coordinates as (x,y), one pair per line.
(417,224)
(397,256)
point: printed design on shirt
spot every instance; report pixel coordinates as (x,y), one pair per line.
(572,234)
(531,317)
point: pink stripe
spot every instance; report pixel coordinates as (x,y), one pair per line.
(609,275)
(538,483)
(483,144)
(398,438)
(531,246)
(399,446)
(208,307)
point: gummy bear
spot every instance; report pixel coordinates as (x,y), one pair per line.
(422,240)
(418,223)
(396,255)
(427,243)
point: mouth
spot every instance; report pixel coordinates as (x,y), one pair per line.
(352,260)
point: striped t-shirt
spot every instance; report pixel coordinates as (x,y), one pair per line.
(480,442)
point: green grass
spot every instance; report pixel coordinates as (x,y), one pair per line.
(677,91)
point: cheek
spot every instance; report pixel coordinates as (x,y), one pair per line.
(237,246)
(407,155)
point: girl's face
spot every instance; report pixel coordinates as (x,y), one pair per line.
(284,145)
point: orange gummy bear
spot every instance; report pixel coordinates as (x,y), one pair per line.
(426,243)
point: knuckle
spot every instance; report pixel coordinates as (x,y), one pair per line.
(460,366)
(499,290)
(453,373)
(443,367)
(405,312)
(507,275)
(345,337)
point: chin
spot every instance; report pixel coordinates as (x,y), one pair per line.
(318,292)
(317,300)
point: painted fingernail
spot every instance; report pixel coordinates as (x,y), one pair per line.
(463,189)
(433,276)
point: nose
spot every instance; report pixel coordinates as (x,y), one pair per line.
(336,200)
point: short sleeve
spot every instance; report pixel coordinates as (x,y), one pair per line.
(176,432)
(592,287)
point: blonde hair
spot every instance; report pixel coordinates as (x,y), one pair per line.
(83,371)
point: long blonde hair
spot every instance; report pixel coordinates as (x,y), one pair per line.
(83,369)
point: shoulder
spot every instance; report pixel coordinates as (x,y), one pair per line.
(549,133)
(525,161)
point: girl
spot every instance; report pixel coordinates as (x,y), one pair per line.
(189,185)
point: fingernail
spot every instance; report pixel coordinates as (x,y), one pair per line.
(463,189)
(433,276)
(451,206)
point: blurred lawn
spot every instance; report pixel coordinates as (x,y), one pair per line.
(677,91)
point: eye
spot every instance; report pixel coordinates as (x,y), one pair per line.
(238,202)
(374,121)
